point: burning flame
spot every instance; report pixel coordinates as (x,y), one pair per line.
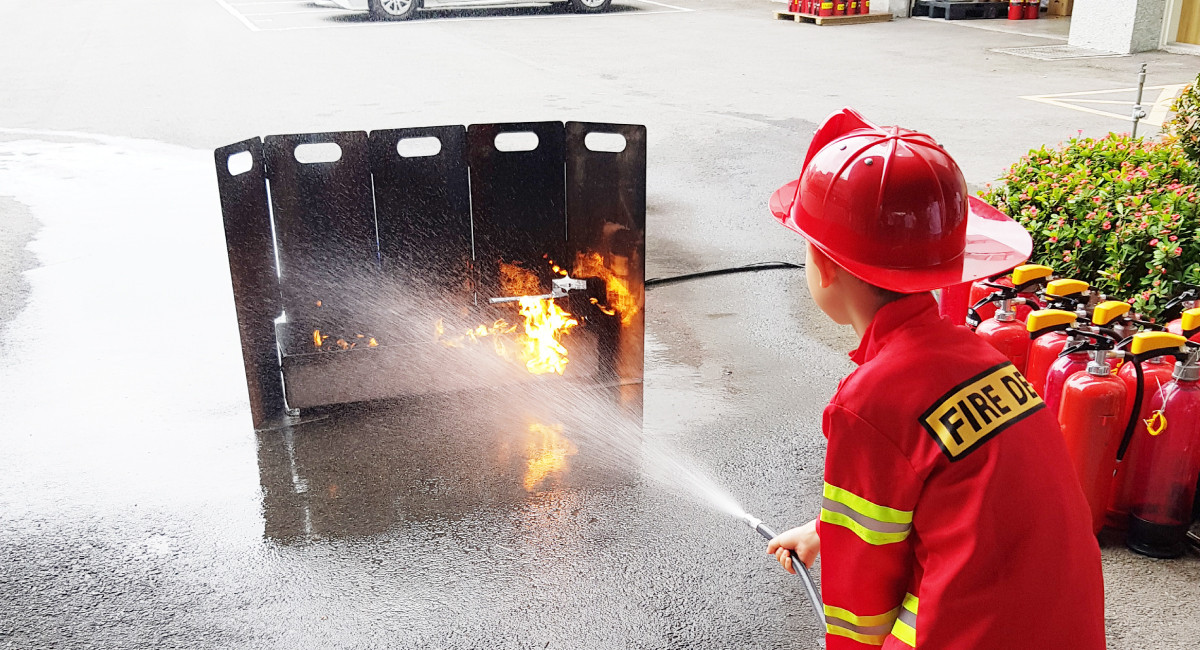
(620,299)
(340,343)
(544,322)
(536,341)
(548,452)
(516,280)
(321,341)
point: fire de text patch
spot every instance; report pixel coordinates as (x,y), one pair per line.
(974,411)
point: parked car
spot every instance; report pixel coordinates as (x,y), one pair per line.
(405,9)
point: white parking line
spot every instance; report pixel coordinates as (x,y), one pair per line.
(652,2)
(256,19)
(237,14)
(1158,109)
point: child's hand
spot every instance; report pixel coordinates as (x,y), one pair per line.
(803,540)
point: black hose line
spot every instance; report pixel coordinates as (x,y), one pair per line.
(757,266)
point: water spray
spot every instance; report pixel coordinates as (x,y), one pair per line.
(801,569)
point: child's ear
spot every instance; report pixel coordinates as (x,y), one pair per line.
(827,269)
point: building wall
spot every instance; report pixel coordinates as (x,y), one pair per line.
(1123,26)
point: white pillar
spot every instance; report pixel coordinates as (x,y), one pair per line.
(900,8)
(1122,26)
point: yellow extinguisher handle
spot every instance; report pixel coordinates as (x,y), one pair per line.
(1144,342)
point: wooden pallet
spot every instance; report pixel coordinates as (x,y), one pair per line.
(833,20)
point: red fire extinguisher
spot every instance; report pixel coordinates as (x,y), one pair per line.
(1164,477)
(1016,9)
(1070,361)
(1027,279)
(1048,336)
(1032,7)
(1068,293)
(1149,366)
(1183,301)
(1156,370)
(839,7)
(864,6)
(1187,325)
(851,7)
(1090,417)
(1074,357)
(826,8)
(1004,332)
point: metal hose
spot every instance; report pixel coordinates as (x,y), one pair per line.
(801,569)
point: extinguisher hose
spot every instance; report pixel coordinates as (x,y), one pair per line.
(1144,325)
(1138,394)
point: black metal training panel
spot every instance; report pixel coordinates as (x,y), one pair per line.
(379,238)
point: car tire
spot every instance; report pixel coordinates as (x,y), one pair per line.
(590,6)
(394,9)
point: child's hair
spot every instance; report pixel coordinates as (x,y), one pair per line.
(885,295)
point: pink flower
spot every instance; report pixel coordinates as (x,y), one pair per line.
(1173,237)
(1153,243)
(1178,251)
(1107,225)
(1053,239)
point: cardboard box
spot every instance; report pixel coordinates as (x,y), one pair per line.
(1060,7)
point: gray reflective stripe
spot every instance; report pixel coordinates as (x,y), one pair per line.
(865,521)
(908,617)
(873,630)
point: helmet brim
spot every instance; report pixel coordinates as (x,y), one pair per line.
(995,244)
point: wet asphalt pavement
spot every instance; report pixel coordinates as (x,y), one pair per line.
(138,508)
(144,511)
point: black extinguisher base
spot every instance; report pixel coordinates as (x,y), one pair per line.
(1155,540)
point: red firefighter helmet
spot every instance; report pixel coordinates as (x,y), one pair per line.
(891,207)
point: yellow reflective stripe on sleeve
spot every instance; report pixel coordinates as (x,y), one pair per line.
(885,618)
(902,631)
(867,508)
(867,535)
(905,627)
(869,639)
(871,630)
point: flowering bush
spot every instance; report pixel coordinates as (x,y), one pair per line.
(1184,127)
(1118,212)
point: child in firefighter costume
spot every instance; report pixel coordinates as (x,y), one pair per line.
(951,516)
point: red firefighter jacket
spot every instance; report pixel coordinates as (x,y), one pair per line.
(951,515)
